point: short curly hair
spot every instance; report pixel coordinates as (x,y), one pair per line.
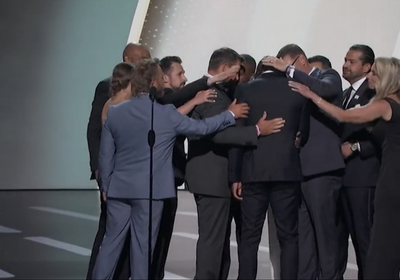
(145,71)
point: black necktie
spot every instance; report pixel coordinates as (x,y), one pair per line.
(347,97)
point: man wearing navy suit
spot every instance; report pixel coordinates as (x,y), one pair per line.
(322,166)
(124,161)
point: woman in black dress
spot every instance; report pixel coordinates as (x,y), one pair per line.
(383,260)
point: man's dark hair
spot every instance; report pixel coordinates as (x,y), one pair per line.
(145,71)
(368,55)
(223,55)
(326,64)
(167,62)
(249,60)
(292,50)
(261,68)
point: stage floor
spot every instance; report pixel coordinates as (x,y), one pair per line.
(49,234)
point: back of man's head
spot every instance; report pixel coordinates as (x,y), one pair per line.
(224,57)
(294,55)
(248,68)
(261,68)
(249,60)
(147,74)
(291,50)
(134,52)
(320,62)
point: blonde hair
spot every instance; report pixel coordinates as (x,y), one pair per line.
(387,69)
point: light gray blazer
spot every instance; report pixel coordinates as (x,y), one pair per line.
(124,157)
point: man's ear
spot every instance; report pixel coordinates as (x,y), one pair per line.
(224,67)
(367,67)
(303,60)
(165,79)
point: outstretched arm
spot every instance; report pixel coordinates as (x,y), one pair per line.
(183,95)
(200,98)
(327,85)
(372,111)
(183,125)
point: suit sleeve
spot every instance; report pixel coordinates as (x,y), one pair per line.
(304,128)
(183,95)
(367,149)
(235,155)
(327,85)
(183,125)
(106,156)
(93,133)
(237,135)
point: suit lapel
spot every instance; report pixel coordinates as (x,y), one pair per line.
(316,73)
(358,94)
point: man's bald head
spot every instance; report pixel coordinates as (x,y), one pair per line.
(135,52)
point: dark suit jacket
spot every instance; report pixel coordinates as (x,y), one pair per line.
(207,166)
(178,98)
(362,168)
(275,158)
(322,153)
(93,133)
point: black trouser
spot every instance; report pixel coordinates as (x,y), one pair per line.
(164,238)
(357,210)
(318,227)
(284,198)
(236,215)
(123,267)
(213,245)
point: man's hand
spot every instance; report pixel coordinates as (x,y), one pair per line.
(104,196)
(297,141)
(237,190)
(227,75)
(239,110)
(268,127)
(346,150)
(277,63)
(96,175)
(205,96)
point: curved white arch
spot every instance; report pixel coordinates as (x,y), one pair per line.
(138,21)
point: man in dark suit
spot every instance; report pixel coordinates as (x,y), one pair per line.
(246,74)
(176,93)
(132,53)
(362,162)
(207,171)
(322,165)
(271,172)
(322,63)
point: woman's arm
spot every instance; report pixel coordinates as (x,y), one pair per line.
(200,98)
(372,111)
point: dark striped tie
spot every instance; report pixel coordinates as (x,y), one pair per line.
(347,97)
